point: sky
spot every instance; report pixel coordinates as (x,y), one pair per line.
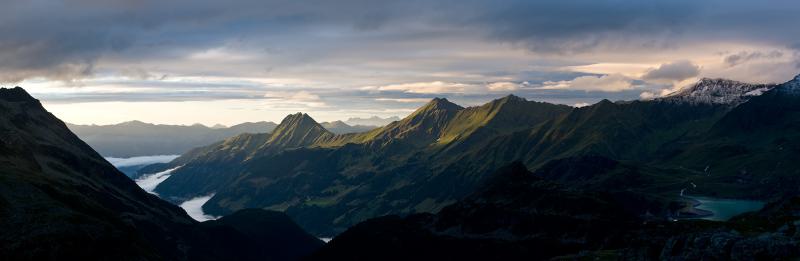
(209,62)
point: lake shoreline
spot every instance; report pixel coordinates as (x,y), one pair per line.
(716,209)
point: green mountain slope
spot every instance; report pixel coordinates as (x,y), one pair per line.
(441,152)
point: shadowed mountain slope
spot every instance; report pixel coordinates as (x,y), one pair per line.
(518,215)
(59,199)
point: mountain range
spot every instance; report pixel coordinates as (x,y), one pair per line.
(716,138)
(340,127)
(60,200)
(511,179)
(371,121)
(136,138)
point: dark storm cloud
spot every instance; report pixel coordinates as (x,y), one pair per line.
(69,39)
(64,39)
(743,57)
(576,26)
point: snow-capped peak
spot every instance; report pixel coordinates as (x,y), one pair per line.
(717,91)
(791,87)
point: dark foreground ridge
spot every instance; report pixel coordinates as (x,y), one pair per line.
(59,199)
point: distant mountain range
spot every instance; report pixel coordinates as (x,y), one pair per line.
(136,138)
(371,121)
(59,199)
(339,127)
(717,138)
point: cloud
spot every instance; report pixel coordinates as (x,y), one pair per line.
(427,87)
(744,57)
(69,40)
(436,87)
(648,96)
(194,208)
(151,181)
(120,50)
(603,83)
(673,71)
(503,86)
(142,160)
(405,100)
(300,98)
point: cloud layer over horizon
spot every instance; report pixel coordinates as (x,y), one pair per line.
(358,58)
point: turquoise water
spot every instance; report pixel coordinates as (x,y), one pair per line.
(725,209)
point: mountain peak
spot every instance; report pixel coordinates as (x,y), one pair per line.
(717,91)
(423,126)
(134,123)
(437,106)
(295,116)
(297,120)
(337,124)
(440,104)
(513,97)
(297,130)
(791,87)
(16,94)
(509,98)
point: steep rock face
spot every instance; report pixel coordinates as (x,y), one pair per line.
(59,199)
(718,91)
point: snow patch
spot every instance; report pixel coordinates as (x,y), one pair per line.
(757,92)
(717,91)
